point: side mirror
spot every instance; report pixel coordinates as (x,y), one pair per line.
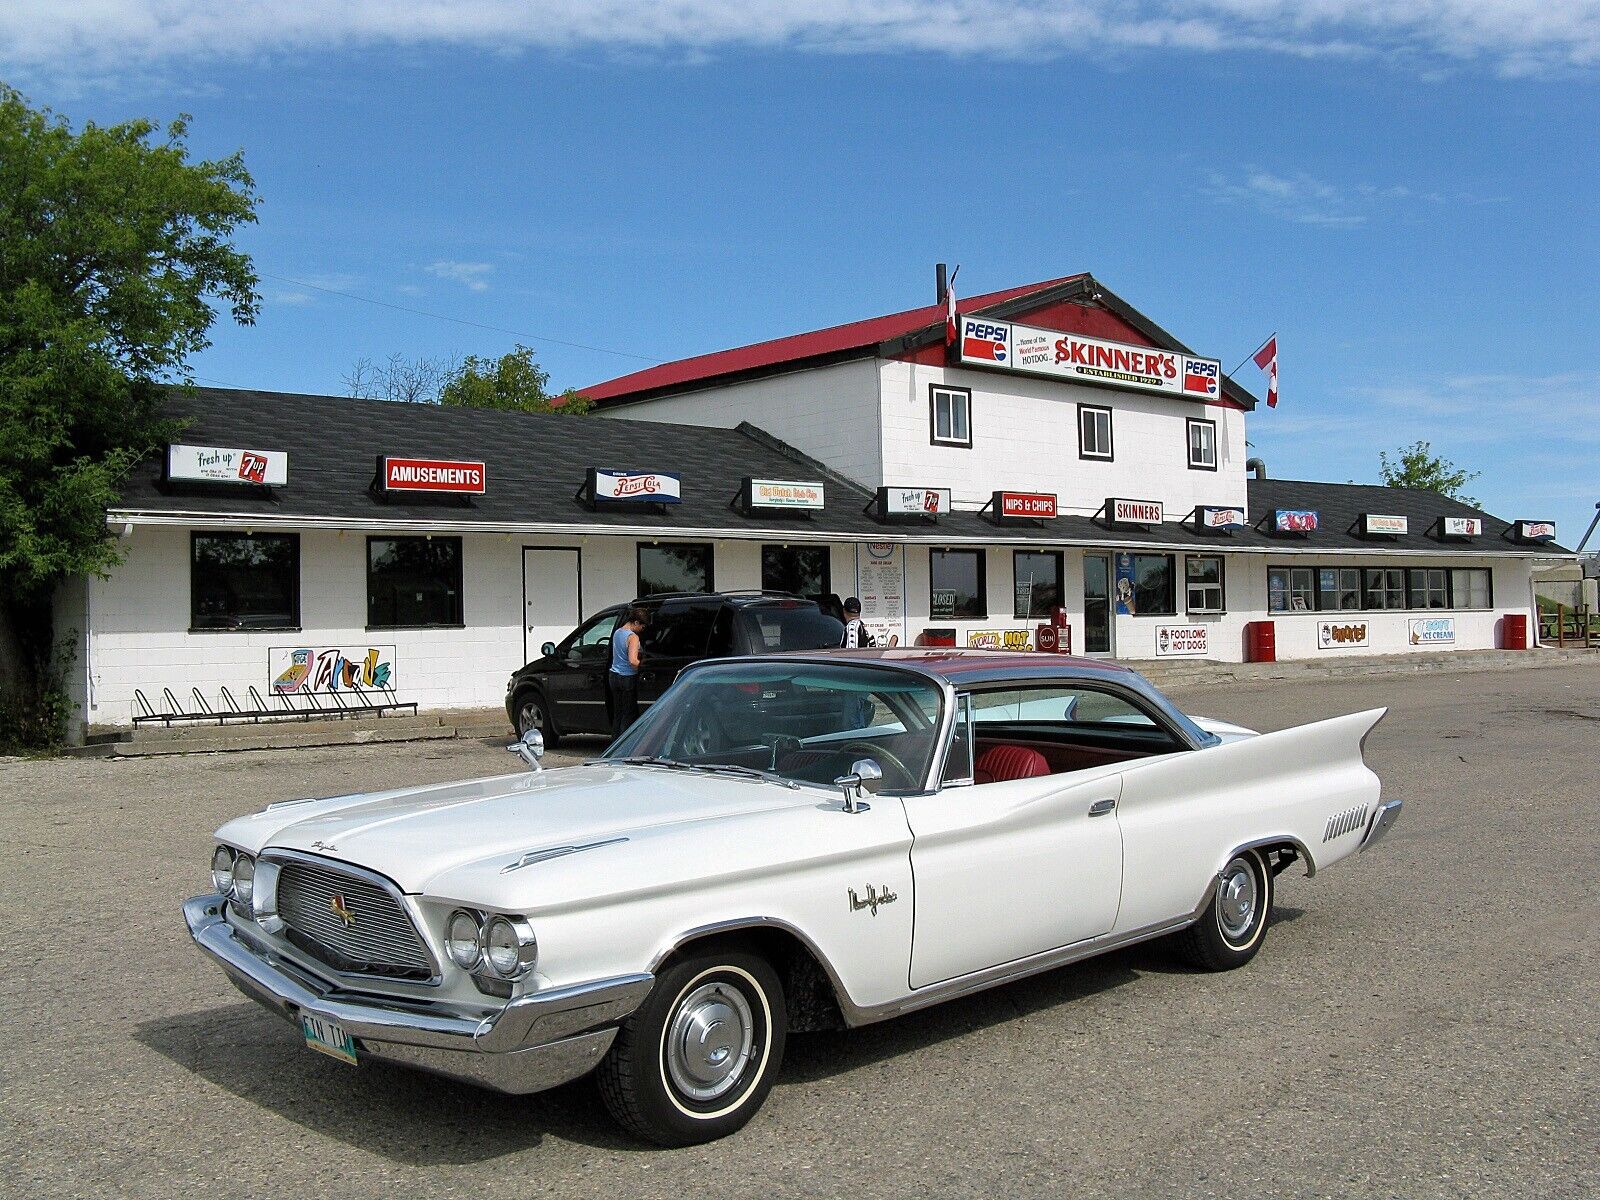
(547,649)
(865,776)
(531,747)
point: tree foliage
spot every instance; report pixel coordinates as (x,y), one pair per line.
(514,382)
(113,244)
(1416,466)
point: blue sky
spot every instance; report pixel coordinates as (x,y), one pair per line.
(1405,193)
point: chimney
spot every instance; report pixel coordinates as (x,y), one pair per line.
(944,283)
(1258,466)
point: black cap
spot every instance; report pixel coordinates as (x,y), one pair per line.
(852,605)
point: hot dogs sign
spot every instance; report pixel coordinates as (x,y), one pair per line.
(1005,346)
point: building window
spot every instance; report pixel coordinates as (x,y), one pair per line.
(1094,432)
(1470,587)
(1292,589)
(956,585)
(1202,445)
(950,416)
(802,570)
(1385,587)
(1036,580)
(413,581)
(1203,584)
(244,581)
(1339,589)
(1154,590)
(674,567)
(1429,587)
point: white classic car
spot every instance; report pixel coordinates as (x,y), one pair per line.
(782,843)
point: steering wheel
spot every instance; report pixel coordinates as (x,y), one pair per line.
(885,759)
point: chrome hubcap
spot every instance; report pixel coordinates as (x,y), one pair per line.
(1236,900)
(709,1041)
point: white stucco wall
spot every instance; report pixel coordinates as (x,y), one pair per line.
(826,412)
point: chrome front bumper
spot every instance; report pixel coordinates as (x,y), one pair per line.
(1388,813)
(528,1044)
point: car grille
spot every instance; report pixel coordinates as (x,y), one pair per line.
(375,937)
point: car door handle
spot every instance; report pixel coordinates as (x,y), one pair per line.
(1101,807)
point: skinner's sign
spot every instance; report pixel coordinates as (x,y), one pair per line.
(1050,352)
(1134,512)
(432,475)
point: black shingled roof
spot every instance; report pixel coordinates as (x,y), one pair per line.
(536,463)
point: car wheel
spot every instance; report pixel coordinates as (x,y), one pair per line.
(698,1058)
(1230,931)
(533,712)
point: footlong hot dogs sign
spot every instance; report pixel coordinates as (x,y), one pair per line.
(1032,351)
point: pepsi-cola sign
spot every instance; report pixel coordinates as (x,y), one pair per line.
(1536,531)
(1222,520)
(1058,355)
(652,487)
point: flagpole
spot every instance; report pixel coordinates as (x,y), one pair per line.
(1251,355)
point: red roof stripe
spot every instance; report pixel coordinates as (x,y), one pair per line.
(834,340)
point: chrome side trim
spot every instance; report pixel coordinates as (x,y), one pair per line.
(1388,813)
(530,857)
(1278,840)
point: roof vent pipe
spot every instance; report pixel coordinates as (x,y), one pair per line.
(944,283)
(1258,465)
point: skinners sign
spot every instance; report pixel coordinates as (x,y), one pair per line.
(1134,512)
(778,493)
(1025,505)
(1377,524)
(656,487)
(1463,526)
(1050,352)
(432,475)
(215,464)
(1180,640)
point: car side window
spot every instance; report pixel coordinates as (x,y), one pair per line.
(958,761)
(679,632)
(1056,705)
(592,640)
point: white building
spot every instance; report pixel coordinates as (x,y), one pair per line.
(1088,476)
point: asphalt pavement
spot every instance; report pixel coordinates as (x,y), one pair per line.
(1421,1022)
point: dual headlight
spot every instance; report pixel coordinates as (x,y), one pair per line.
(504,945)
(235,875)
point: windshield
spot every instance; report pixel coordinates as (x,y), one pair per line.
(807,722)
(789,625)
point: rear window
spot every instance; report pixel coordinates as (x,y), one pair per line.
(789,626)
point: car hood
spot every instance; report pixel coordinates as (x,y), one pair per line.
(415,835)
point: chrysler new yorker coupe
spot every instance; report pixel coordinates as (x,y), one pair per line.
(788,842)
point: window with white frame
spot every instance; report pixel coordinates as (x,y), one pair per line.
(1094,432)
(1470,588)
(1202,444)
(1202,576)
(949,416)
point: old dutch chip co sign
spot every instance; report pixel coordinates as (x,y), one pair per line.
(785,493)
(1387,525)
(1029,506)
(219,464)
(446,475)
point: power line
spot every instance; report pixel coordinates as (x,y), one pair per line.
(421,312)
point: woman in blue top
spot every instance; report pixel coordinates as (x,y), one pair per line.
(623,678)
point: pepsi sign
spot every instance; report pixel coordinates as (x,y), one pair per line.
(985,341)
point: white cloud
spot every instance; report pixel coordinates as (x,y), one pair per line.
(1311,201)
(1547,412)
(472,275)
(99,38)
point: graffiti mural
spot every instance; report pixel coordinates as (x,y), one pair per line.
(330,668)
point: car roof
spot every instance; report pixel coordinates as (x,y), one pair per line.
(979,666)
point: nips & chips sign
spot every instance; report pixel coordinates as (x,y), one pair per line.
(1057,355)
(1025,506)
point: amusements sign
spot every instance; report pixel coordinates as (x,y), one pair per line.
(1177,641)
(1340,635)
(1431,631)
(293,669)
(445,475)
(652,487)
(218,464)
(881,585)
(1005,346)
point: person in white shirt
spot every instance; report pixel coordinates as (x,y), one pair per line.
(856,633)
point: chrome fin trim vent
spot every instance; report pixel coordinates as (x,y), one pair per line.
(1350,820)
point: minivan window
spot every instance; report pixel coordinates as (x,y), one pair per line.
(789,626)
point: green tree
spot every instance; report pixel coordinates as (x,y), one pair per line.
(514,382)
(1416,466)
(113,244)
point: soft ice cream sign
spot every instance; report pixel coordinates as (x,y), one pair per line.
(219,464)
(1431,631)
(1050,352)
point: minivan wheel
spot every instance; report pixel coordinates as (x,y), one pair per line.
(534,713)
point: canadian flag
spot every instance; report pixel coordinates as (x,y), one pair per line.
(950,333)
(1267,359)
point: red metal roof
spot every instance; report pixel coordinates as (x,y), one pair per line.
(818,343)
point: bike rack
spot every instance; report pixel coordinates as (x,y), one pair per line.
(332,703)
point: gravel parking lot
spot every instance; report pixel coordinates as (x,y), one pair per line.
(1421,1021)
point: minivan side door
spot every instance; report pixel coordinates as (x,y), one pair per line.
(576,683)
(677,634)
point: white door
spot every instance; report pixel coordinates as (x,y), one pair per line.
(551,600)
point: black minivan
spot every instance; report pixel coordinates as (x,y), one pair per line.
(564,692)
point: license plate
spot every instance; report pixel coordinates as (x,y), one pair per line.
(328,1037)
